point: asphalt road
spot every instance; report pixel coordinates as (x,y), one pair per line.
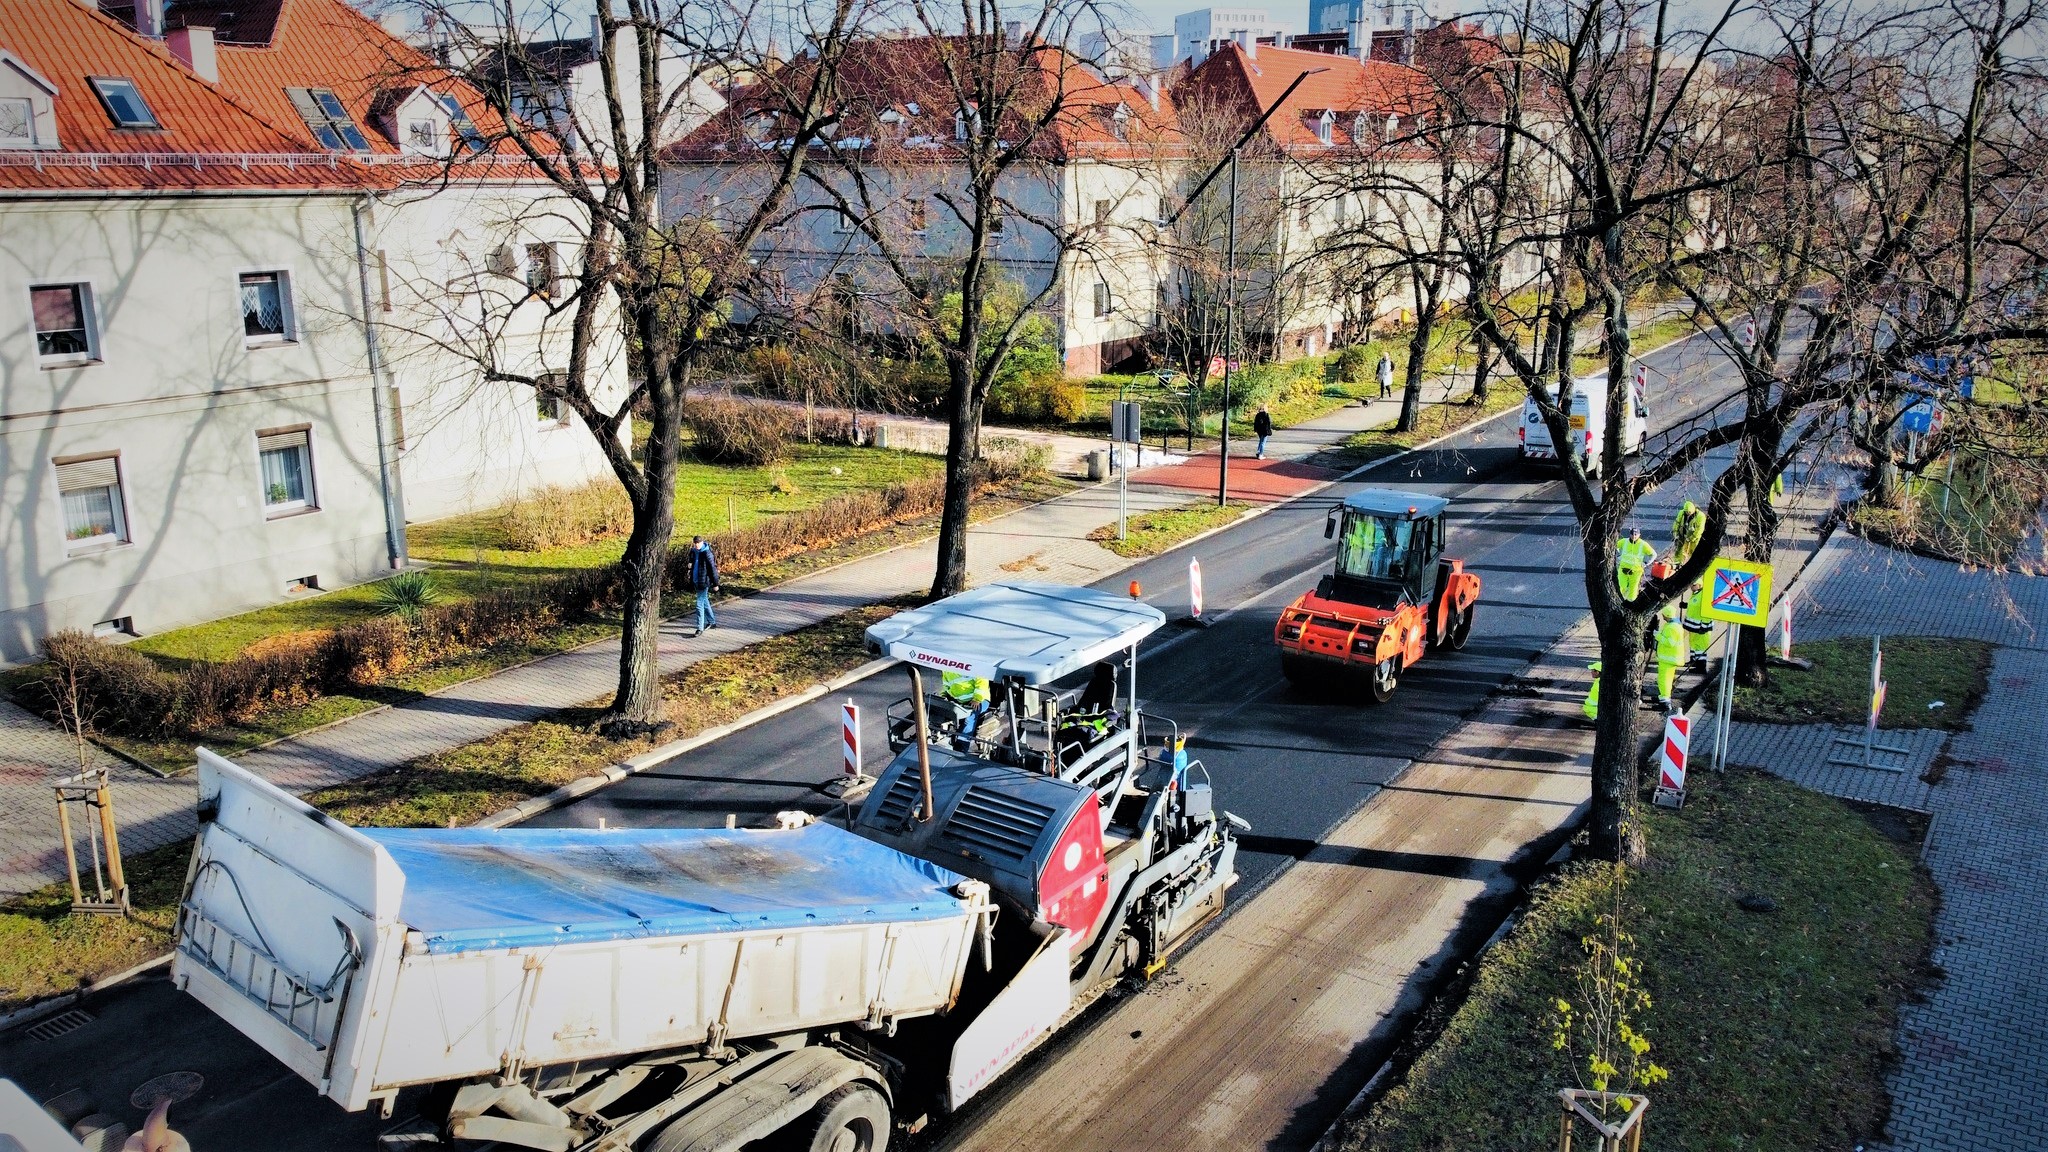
(1292,763)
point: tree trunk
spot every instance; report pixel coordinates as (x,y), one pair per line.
(1418,358)
(1609,825)
(1884,479)
(1481,368)
(637,708)
(963,454)
(1760,537)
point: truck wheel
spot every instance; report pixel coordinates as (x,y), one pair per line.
(1461,628)
(1385,675)
(853,1118)
(1295,669)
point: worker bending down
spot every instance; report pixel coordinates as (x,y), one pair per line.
(1686,530)
(970,694)
(1670,652)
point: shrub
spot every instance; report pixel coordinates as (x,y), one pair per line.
(1006,460)
(118,690)
(1037,399)
(1354,365)
(405,594)
(735,432)
(564,517)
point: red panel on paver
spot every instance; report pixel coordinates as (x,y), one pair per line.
(1260,481)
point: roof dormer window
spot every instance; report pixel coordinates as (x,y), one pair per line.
(124,104)
(327,120)
(1393,125)
(28,115)
(1324,125)
(460,126)
(1120,122)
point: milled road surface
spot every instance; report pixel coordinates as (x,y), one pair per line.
(1299,767)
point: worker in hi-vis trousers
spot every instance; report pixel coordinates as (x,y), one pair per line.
(1631,556)
(1592,705)
(1699,631)
(1670,652)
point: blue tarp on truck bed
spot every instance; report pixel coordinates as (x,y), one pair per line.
(475,888)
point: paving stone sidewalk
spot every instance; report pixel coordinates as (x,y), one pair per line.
(1974,1056)
(1047,542)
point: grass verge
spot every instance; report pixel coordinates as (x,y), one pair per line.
(1775,1025)
(1151,533)
(44,950)
(1919,670)
(1435,420)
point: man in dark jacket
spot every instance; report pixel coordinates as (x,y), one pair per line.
(704,579)
(1262,427)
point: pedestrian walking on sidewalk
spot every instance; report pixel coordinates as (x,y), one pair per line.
(1385,374)
(1262,427)
(704,581)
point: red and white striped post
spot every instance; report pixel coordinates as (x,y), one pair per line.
(1785,629)
(1671,761)
(1195,588)
(849,738)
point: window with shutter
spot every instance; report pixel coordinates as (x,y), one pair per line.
(91,493)
(286,459)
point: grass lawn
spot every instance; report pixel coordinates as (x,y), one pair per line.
(1151,533)
(45,950)
(1774,1025)
(470,555)
(1433,421)
(1918,671)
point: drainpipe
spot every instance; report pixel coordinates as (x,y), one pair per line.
(387,467)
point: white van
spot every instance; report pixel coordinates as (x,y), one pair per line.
(1588,419)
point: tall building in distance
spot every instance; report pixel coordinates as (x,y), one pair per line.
(1197,35)
(1368,29)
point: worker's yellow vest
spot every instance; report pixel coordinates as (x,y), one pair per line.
(1670,642)
(964,689)
(1633,553)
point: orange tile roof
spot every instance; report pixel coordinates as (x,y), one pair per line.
(239,134)
(883,75)
(1347,86)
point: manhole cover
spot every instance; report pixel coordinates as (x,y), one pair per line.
(58,1025)
(171,1086)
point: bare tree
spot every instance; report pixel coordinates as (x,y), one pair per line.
(980,175)
(659,274)
(1654,121)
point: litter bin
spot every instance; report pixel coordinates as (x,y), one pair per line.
(1098,464)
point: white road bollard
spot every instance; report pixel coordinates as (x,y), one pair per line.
(1785,629)
(849,733)
(1671,761)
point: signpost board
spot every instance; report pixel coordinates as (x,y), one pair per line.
(1738,592)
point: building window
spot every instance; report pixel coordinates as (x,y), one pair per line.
(287,459)
(459,123)
(124,104)
(1102,211)
(91,491)
(917,215)
(17,122)
(540,270)
(1102,298)
(423,136)
(995,220)
(548,404)
(841,222)
(266,307)
(1164,298)
(1324,123)
(327,120)
(64,327)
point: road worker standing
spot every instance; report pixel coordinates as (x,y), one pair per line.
(1699,631)
(1592,705)
(1631,557)
(1670,652)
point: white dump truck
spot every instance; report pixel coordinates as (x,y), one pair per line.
(664,990)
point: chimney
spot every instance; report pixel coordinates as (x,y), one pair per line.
(193,48)
(149,18)
(1150,87)
(1248,42)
